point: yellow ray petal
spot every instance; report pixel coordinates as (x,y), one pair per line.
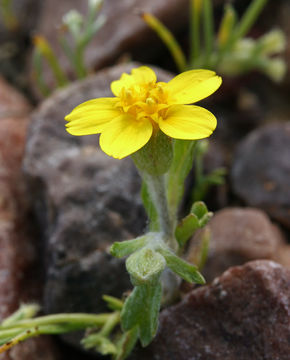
(125,135)
(140,75)
(92,116)
(188,122)
(192,86)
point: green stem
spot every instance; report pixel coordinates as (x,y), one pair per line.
(208,31)
(109,326)
(62,319)
(194,31)
(169,40)
(47,52)
(79,62)
(248,19)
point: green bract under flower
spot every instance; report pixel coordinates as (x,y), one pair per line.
(142,106)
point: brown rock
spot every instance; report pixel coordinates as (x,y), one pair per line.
(33,349)
(283,256)
(84,200)
(243,315)
(238,235)
(18,257)
(261,171)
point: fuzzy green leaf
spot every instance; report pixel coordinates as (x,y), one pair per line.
(124,248)
(113,303)
(199,209)
(186,228)
(100,343)
(145,266)
(127,343)
(186,271)
(141,309)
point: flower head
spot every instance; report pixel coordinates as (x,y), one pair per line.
(142,106)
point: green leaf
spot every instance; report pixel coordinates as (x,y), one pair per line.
(180,167)
(127,343)
(125,248)
(142,309)
(186,271)
(26,311)
(227,25)
(186,228)
(150,208)
(145,265)
(205,219)
(100,343)
(204,247)
(199,209)
(198,218)
(113,303)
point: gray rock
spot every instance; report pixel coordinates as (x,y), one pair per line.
(238,235)
(261,171)
(84,201)
(243,315)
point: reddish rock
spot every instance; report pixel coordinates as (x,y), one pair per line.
(243,315)
(283,256)
(238,235)
(33,349)
(18,257)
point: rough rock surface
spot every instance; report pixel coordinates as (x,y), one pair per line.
(243,315)
(261,171)
(83,199)
(18,257)
(238,235)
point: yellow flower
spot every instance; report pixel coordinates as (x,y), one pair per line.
(142,106)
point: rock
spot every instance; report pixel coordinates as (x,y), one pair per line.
(284,256)
(12,103)
(238,235)
(33,349)
(19,281)
(83,199)
(261,170)
(243,315)
(123,32)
